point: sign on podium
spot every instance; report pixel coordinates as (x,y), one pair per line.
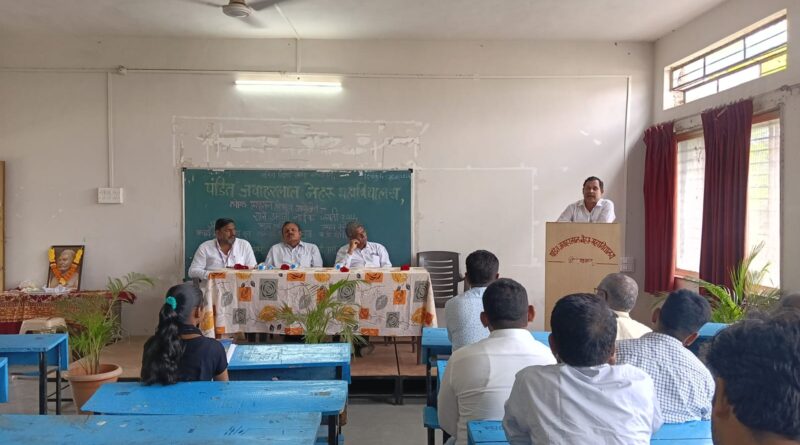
(577,257)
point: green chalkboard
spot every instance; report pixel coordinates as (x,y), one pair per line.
(322,202)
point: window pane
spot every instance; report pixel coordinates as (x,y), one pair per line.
(691,185)
(701,91)
(725,57)
(688,73)
(773,65)
(766,39)
(739,77)
(763,197)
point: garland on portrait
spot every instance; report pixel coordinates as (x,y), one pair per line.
(64,278)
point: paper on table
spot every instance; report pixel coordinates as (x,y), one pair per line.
(229,353)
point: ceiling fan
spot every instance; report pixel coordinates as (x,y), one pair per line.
(242,9)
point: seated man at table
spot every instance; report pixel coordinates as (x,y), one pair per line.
(684,386)
(620,292)
(756,367)
(462,312)
(583,399)
(226,250)
(293,250)
(359,252)
(479,376)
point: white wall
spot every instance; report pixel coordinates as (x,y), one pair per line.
(711,27)
(53,137)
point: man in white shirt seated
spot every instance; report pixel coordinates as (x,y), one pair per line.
(359,252)
(293,250)
(684,386)
(479,376)
(756,367)
(462,312)
(620,292)
(224,251)
(584,399)
(592,208)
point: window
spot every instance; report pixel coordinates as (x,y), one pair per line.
(763,197)
(746,56)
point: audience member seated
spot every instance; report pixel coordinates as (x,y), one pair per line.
(226,250)
(684,387)
(791,302)
(293,250)
(179,352)
(462,312)
(359,252)
(583,399)
(620,292)
(479,376)
(756,365)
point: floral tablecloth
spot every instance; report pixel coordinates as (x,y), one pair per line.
(16,306)
(386,302)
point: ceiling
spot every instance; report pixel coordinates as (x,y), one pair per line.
(599,20)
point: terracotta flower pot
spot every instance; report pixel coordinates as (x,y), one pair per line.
(84,385)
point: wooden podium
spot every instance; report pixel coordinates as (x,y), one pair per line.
(577,257)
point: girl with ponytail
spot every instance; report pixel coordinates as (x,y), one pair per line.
(178,352)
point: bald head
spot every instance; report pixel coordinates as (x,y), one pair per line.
(619,290)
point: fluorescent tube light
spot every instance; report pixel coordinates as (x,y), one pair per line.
(289,83)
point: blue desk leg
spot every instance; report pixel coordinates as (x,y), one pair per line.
(58,383)
(333,436)
(43,383)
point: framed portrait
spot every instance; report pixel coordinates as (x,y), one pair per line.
(66,265)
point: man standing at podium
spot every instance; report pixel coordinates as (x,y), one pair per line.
(592,208)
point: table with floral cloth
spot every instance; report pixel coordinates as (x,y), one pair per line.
(17,306)
(387,302)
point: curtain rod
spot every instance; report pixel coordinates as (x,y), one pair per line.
(771,100)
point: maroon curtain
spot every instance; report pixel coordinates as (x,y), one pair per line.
(659,207)
(727,136)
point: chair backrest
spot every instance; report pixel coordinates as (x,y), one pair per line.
(444,269)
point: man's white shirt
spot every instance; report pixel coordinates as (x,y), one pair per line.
(603,212)
(372,255)
(628,328)
(303,254)
(479,378)
(209,257)
(566,405)
(463,315)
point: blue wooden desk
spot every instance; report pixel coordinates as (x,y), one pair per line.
(325,361)
(245,397)
(263,429)
(694,433)
(706,333)
(486,432)
(3,380)
(441,367)
(31,349)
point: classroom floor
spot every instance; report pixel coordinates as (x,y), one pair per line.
(369,421)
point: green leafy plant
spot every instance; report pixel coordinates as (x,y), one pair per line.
(315,319)
(94,322)
(745,294)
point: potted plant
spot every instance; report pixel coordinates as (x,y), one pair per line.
(745,294)
(94,324)
(315,319)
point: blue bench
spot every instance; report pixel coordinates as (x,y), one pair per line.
(264,429)
(490,432)
(3,380)
(325,361)
(41,349)
(243,397)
